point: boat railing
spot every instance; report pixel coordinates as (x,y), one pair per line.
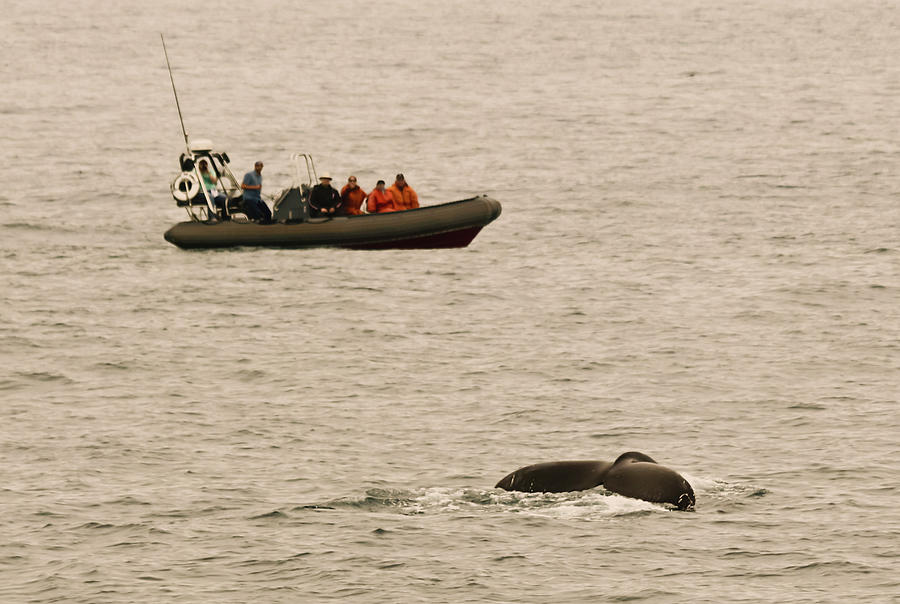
(190,190)
(303,161)
(232,187)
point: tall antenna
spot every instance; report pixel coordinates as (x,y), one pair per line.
(210,205)
(177,104)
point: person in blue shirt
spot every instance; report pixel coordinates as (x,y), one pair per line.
(254,206)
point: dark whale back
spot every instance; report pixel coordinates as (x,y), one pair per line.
(556,477)
(632,476)
(633,456)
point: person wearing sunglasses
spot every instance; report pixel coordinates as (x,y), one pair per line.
(352,197)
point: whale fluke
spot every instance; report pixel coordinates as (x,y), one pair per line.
(632,474)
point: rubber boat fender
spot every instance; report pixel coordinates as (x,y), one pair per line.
(185,187)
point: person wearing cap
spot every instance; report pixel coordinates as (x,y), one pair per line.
(324,200)
(352,197)
(254,207)
(380,200)
(405,197)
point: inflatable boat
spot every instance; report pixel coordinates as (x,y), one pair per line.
(216,218)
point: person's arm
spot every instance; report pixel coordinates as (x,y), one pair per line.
(249,187)
(362,200)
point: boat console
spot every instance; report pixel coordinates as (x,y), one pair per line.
(188,190)
(225,201)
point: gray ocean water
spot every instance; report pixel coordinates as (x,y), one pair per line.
(698,258)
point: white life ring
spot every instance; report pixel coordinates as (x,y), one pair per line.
(185,187)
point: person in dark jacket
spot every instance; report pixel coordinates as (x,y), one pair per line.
(324,200)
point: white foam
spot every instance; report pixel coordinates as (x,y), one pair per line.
(588,505)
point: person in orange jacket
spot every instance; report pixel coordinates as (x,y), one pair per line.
(352,197)
(405,197)
(380,200)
